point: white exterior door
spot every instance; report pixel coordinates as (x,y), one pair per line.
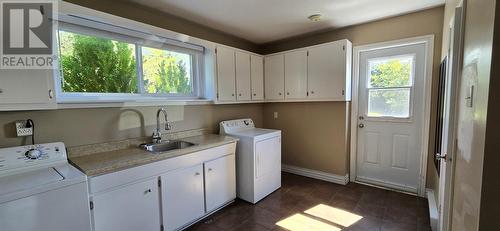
(296,75)
(390,118)
(182,196)
(220,181)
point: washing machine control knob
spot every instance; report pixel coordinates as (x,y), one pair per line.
(33,153)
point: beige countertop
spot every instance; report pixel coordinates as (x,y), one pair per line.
(94,160)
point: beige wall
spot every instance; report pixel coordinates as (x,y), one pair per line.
(313,134)
(89,126)
(329,119)
(478,43)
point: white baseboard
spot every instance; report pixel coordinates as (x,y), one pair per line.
(433,211)
(338,179)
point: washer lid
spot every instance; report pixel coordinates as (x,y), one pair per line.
(27,180)
(255,133)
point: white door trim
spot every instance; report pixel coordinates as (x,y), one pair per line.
(428,40)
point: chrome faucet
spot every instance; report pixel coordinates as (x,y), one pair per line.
(157,132)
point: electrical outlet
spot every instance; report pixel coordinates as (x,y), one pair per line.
(22,130)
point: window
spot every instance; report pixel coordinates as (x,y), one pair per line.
(390,82)
(98,64)
(166,72)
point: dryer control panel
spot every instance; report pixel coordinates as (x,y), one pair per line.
(235,125)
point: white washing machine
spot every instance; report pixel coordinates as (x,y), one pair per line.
(40,191)
(258,158)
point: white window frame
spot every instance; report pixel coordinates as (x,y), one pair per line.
(91,27)
(407,119)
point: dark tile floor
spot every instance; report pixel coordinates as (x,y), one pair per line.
(304,204)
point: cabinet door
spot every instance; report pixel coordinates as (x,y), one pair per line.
(133,207)
(220,181)
(257,76)
(26,89)
(274,67)
(243,84)
(296,75)
(327,71)
(182,196)
(226,85)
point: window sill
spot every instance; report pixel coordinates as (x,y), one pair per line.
(79,103)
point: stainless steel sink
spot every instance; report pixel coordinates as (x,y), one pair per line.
(166,146)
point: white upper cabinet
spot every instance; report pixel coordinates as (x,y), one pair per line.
(327,73)
(274,69)
(257,77)
(243,82)
(296,75)
(239,76)
(317,73)
(26,90)
(226,70)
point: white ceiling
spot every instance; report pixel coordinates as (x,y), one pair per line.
(262,21)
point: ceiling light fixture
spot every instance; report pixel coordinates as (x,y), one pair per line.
(315,17)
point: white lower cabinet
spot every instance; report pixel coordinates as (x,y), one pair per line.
(182,196)
(220,181)
(129,208)
(171,193)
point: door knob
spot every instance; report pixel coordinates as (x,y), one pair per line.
(441,156)
(361,125)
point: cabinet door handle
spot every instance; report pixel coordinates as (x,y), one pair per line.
(288,93)
(279,93)
(232,94)
(312,92)
(239,94)
(147,191)
(1,90)
(253,93)
(209,169)
(197,174)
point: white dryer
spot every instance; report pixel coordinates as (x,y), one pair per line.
(258,158)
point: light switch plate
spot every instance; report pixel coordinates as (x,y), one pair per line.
(276,115)
(22,130)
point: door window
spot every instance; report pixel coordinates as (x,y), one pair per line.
(390,85)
